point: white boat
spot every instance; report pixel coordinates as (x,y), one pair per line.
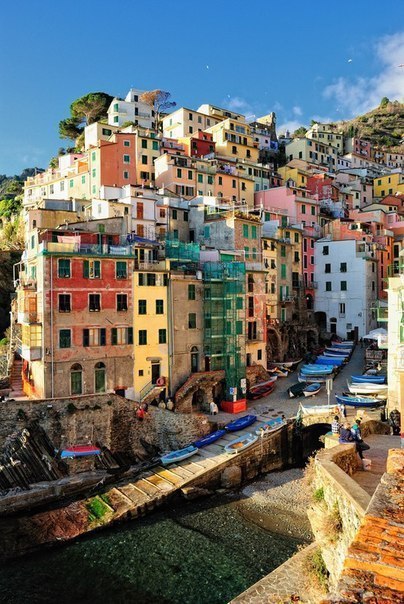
(316,409)
(368,388)
(270,426)
(241,443)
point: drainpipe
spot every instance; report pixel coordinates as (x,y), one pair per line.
(51,327)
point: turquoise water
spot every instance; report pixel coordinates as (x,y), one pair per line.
(198,553)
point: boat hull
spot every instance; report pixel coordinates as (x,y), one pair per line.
(370,379)
(266,384)
(312,389)
(209,438)
(176,456)
(297,389)
(313,378)
(260,393)
(241,423)
(270,426)
(358,401)
(240,444)
(366,388)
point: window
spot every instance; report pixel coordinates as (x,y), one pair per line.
(126,143)
(326,250)
(126,159)
(144,143)
(105,132)
(296,257)
(162,336)
(246,253)
(121,302)
(121,270)
(297,238)
(159,307)
(259,355)
(76,379)
(94,302)
(342,309)
(254,232)
(142,307)
(185,216)
(83,180)
(283,251)
(94,336)
(220,180)
(239,303)
(64,268)
(144,159)
(142,337)
(64,303)
(174,214)
(92,269)
(283,271)
(116,106)
(126,175)
(155,145)
(328,286)
(192,320)
(151,279)
(191,292)
(71,183)
(233,184)
(65,338)
(327,268)
(342,267)
(245,231)
(121,335)
(234,150)
(303,209)
(313,210)
(343,286)
(200,177)
(189,174)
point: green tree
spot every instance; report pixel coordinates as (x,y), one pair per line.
(301,131)
(159,101)
(384,102)
(84,111)
(69,128)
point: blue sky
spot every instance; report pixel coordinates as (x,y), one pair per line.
(302,60)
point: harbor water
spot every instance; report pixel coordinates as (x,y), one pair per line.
(202,552)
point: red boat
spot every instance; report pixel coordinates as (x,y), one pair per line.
(261,392)
(79,451)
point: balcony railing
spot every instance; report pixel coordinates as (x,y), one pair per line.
(312,285)
(287,298)
(95,249)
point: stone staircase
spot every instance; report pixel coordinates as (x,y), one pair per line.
(16,380)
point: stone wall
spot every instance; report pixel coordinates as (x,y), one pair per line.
(339,505)
(374,566)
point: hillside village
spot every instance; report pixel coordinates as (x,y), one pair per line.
(167,249)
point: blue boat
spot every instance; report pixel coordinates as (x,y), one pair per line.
(241,423)
(329,361)
(312,389)
(333,355)
(316,369)
(209,438)
(178,455)
(359,401)
(79,451)
(374,379)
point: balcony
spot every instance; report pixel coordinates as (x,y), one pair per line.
(88,249)
(253,266)
(312,285)
(287,299)
(150,266)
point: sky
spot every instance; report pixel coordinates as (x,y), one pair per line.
(303,60)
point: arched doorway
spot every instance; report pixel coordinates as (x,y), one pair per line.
(194,359)
(321,320)
(99,378)
(76,379)
(199,400)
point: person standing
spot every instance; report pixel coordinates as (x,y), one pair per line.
(335,425)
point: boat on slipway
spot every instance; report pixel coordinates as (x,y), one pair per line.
(79,451)
(330,361)
(241,423)
(209,438)
(367,388)
(241,443)
(179,455)
(270,426)
(316,369)
(314,378)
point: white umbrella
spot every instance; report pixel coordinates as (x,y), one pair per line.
(375,333)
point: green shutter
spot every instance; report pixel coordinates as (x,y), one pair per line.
(86,269)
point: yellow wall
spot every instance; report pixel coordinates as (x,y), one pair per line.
(388,185)
(152,323)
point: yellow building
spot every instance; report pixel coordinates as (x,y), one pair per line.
(233,139)
(297,174)
(390,184)
(150,326)
(327,133)
(269,258)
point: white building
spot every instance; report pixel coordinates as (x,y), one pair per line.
(346,273)
(184,122)
(131,110)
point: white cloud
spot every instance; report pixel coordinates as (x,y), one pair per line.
(297,110)
(364,93)
(290,125)
(237,104)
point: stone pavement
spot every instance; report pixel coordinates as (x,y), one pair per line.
(378,453)
(285,581)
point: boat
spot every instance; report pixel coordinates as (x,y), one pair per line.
(346,351)
(315,410)
(79,451)
(371,379)
(260,392)
(316,369)
(288,364)
(241,443)
(329,361)
(367,388)
(297,389)
(312,389)
(241,423)
(270,426)
(209,438)
(178,455)
(359,401)
(279,371)
(333,355)
(314,378)
(265,384)
(343,344)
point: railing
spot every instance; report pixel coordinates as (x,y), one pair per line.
(312,285)
(145,390)
(103,249)
(150,266)
(287,298)
(382,314)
